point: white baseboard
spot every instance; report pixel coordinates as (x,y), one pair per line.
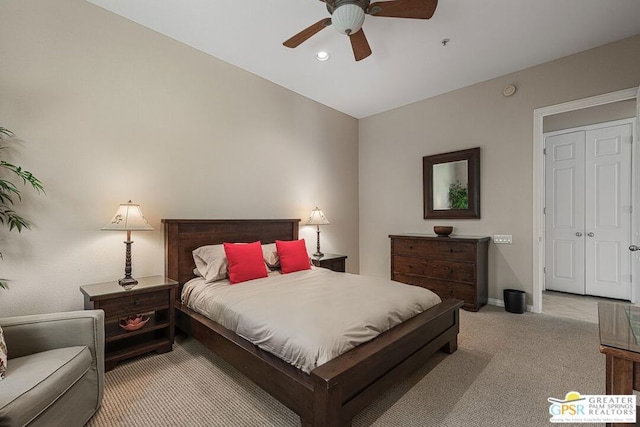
(500,303)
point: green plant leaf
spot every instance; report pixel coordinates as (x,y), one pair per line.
(10,193)
(458,196)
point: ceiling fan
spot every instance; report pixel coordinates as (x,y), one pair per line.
(347,16)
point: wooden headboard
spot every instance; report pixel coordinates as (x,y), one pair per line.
(182,236)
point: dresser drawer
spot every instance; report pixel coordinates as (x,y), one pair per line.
(435,268)
(443,289)
(138,303)
(441,249)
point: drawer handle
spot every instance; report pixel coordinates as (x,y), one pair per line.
(136,302)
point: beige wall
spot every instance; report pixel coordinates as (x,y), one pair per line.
(110,111)
(588,116)
(393,143)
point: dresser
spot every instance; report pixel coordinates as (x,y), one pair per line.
(452,267)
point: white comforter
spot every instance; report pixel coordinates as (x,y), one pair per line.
(309,317)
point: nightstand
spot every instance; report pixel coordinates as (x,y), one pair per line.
(333,262)
(153,296)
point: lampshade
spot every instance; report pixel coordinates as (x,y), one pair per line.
(128,217)
(347,18)
(317,218)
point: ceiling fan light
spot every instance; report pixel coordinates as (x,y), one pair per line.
(347,18)
(322,56)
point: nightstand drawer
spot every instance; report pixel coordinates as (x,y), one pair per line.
(138,303)
(333,262)
(335,265)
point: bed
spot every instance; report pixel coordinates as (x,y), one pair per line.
(333,393)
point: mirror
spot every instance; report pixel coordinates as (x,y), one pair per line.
(451,184)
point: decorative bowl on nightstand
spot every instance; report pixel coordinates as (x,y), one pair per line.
(133,323)
(442,230)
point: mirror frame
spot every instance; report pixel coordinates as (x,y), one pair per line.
(472,156)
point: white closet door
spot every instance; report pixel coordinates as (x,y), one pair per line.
(564,220)
(608,212)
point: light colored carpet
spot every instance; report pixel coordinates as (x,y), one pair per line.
(506,367)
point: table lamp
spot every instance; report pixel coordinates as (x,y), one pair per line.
(317,218)
(128,218)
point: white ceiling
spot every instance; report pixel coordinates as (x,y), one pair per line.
(489,38)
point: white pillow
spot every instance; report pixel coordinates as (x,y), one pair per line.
(211,262)
(270,255)
(3,355)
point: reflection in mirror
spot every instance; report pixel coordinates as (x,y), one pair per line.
(450,185)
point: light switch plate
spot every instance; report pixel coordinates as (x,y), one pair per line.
(503,239)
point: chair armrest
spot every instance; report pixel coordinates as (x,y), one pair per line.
(31,334)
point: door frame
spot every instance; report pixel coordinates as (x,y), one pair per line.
(538,181)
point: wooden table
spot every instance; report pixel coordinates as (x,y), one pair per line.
(621,348)
(153,296)
(335,262)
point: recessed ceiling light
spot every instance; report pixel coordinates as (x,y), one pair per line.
(322,56)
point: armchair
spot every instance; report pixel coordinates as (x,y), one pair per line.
(55,371)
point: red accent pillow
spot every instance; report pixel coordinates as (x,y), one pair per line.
(293,255)
(245,261)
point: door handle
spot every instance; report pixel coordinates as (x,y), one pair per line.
(579,234)
(590,234)
(634,248)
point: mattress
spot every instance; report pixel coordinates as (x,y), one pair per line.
(308,317)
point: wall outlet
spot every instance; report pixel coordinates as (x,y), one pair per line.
(503,239)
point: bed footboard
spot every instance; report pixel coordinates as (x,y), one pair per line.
(338,390)
(289,385)
(346,385)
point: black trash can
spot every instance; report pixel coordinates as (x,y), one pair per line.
(515,301)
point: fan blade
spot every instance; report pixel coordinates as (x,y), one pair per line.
(303,35)
(360,45)
(417,9)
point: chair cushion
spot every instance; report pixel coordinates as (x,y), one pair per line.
(34,382)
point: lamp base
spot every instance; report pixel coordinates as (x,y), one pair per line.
(318,254)
(127,283)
